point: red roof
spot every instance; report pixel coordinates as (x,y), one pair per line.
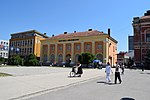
(78,34)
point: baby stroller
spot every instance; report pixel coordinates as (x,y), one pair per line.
(73,72)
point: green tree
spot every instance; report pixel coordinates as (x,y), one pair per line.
(86,58)
(31,60)
(2,60)
(15,60)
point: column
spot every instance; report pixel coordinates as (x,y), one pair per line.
(56,60)
(105,52)
(64,52)
(82,46)
(48,52)
(93,47)
(41,53)
(72,52)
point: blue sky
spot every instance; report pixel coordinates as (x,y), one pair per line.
(57,16)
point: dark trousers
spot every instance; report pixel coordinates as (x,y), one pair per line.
(117,75)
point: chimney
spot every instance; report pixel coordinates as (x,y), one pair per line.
(74,31)
(65,32)
(44,33)
(90,29)
(53,35)
(108,31)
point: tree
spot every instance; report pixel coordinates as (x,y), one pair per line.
(2,60)
(31,60)
(15,60)
(86,58)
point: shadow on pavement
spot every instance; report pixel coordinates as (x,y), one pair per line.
(145,73)
(103,82)
(127,98)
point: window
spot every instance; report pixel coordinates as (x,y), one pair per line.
(147,37)
(3,54)
(78,47)
(45,58)
(88,46)
(22,43)
(6,54)
(26,42)
(60,58)
(60,48)
(52,58)
(99,46)
(53,48)
(31,42)
(25,50)
(30,50)
(68,47)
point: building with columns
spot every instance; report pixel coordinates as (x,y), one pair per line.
(141,28)
(25,43)
(64,46)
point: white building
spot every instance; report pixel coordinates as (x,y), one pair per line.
(4,48)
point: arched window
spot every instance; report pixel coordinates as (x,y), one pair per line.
(45,58)
(148,36)
(52,58)
(60,58)
(68,56)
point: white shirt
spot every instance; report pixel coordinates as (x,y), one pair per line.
(117,68)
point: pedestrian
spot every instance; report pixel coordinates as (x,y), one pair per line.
(79,71)
(142,66)
(69,61)
(117,73)
(108,71)
(122,68)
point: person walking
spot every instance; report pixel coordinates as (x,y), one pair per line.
(79,71)
(108,71)
(142,67)
(122,68)
(117,73)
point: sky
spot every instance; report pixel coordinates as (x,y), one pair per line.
(58,16)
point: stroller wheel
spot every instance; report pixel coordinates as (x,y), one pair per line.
(72,74)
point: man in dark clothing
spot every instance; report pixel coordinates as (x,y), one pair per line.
(79,71)
(117,74)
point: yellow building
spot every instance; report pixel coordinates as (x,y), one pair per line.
(25,43)
(62,47)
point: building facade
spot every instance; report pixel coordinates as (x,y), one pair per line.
(25,43)
(130,43)
(62,47)
(122,58)
(4,48)
(141,27)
